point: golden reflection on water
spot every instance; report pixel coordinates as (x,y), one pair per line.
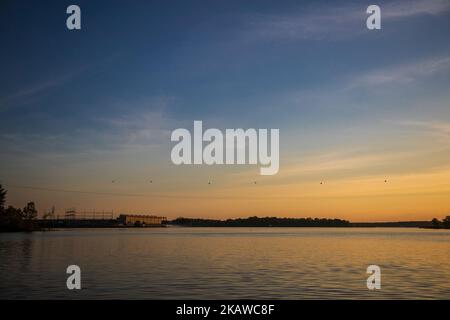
(227,263)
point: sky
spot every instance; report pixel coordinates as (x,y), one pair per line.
(364,115)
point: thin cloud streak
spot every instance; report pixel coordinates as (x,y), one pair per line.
(334,23)
(404,9)
(33,91)
(402,74)
(441,128)
(29,93)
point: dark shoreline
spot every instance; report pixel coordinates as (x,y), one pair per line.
(294,222)
(228,227)
(252,222)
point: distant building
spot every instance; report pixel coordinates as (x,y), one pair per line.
(140,220)
(73,214)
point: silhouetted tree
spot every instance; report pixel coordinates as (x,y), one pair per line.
(11,219)
(14,219)
(435,223)
(29,212)
(2,198)
(446,222)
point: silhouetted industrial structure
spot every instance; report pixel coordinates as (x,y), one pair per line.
(140,220)
(98,219)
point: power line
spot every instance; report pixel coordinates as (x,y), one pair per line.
(131,194)
(265,197)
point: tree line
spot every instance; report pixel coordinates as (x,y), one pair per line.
(16,219)
(261,222)
(438,224)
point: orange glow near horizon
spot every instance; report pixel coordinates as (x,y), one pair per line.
(420,196)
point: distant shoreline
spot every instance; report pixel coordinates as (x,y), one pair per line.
(365,226)
(294,222)
(251,222)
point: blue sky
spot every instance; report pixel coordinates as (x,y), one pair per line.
(80,108)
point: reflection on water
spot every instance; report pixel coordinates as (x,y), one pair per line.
(226,263)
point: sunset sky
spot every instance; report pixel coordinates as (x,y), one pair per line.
(367,113)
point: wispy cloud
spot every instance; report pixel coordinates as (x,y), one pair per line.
(334,22)
(33,91)
(24,95)
(403,9)
(302,25)
(30,92)
(145,124)
(146,128)
(436,127)
(402,74)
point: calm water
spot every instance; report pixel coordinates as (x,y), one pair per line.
(226,263)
